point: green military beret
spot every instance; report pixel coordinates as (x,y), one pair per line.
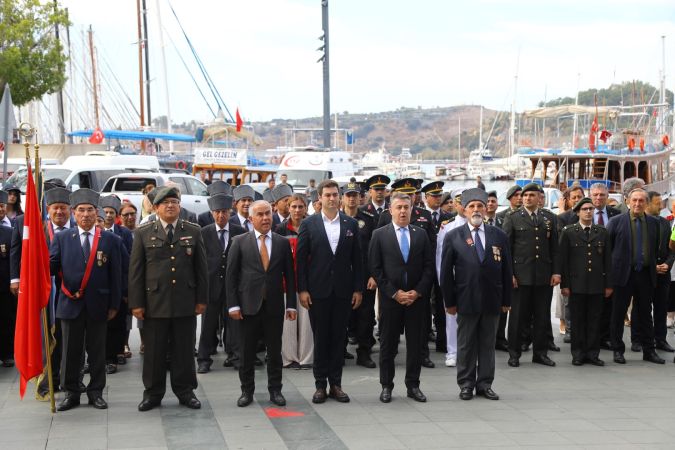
(165,192)
(581,203)
(534,187)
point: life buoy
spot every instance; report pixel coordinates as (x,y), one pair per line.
(180,165)
(631,144)
(665,140)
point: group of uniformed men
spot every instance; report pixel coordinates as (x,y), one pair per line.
(448,262)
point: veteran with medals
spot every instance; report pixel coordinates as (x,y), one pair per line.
(88,261)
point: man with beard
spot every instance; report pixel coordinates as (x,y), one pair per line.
(476,282)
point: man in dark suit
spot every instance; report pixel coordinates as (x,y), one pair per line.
(476,281)
(243,197)
(402,263)
(576,193)
(586,265)
(259,272)
(89,263)
(168,288)
(281,195)
(117,327)
(330,283)
(7,301)
(215,188)
(217,240)
(634,240)
(533,240)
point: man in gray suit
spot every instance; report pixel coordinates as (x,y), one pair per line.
(476,283)
(259,266)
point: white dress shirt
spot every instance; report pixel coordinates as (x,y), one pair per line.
(6,222)
(332,228)
(605,217)
(378,206)
(91,232)
(445,229)
(481,233)
(242,220)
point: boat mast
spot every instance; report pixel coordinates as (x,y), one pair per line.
(480,129)
(141,96)
(576,103)
(147,61)
(166,79)
(93,75)
(59,94)
(662,95)
(459,138)
(326,75)
(512,131)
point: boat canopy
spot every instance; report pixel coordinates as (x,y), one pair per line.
(564,110)
(133,135)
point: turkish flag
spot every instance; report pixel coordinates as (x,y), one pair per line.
(240,122)
(34,288)
(96,137)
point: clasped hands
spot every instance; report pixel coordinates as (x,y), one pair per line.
(406,298)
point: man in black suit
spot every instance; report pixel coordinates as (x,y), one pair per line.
(259,271)
(634,239)
(243,197)
(217,239)
(402,263)
(476,281)
(215,188)
(330,283)
(576,193)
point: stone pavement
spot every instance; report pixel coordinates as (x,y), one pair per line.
(613,407)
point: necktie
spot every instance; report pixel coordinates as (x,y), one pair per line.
(534,219)
(601,219)
(169,232)
(480,251)
(246,222)
(405,244)
(638,245)
(588,232)
(434,216)
(59,229)
(379,210)
(222,239)
(264,256)
(86,247)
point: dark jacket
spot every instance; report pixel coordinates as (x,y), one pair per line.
(585,260)
(248,282)
(5,258)
(475,287)
(390,270)
(205,218)
(621,242)
(419,217)
(322,273)
(216,260)
(104,289)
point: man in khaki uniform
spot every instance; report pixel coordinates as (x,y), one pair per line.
(168,288)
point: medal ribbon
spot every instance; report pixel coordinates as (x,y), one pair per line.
(87,271)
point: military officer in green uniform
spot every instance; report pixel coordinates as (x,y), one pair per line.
(168,288)
(585,263)
(534,249)
(513,195)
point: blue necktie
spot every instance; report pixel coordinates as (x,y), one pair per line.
(638,248)
(405,245)
(479,245)
(222,238)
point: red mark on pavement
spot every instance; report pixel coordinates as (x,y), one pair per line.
(275,413)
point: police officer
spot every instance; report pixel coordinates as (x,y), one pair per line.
(168,287)
(513,195)
(377,185)
(585,265)
(534,246)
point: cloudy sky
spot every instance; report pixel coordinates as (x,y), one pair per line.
(384,53)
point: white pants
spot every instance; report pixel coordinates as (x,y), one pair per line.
(451,335)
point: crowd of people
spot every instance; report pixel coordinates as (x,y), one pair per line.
(299,277)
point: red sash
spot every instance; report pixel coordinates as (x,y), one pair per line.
(87,271)
(50,230)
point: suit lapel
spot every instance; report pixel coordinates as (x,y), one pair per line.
(254,244)
(392,232)
(322,231)
(343,231)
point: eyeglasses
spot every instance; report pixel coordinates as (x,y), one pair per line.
(586,209)
(170,202)
(129,214)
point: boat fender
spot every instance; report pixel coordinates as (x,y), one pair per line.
(665,140)
(631,144)
(180,165)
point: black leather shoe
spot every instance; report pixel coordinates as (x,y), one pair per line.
(366,361)
(513,362)
(605,345)
(502,346)
(147,404)
(191,402)
(277,398)
(416,395)
(338,394)
(98,402)
(431,337)
(488,393)
(229,361)
(618,358)
(352,340)
(69,403)
(348,355)
(429,364)
(203,367)
(636,347)
(245,399)
(577,362)
(385,395)
(553,347)
(595,361)
(319,396)
(9,362)
(524,347)
(466,393)
(110,368)
(663,345)
(653,357)
(543,360)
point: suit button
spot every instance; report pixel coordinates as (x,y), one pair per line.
(536,238)
(173,269)
(589,269)
(536,256)
(536,228)
(589,261)
(173,281)
(537,247)
(222,267)
(173,257)
(589,253)
(221,276)
(171,246)
(589,245)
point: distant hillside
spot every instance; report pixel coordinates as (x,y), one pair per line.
(626,93)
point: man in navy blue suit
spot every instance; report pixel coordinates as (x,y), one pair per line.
(215,188)
(476,280)
(89,263)
(330,284)
(634,238)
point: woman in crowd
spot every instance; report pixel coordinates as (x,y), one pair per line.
(13,202)
(297,346)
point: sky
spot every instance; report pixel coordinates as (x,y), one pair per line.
(384,55)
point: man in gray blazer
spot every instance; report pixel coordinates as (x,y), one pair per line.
(259,270)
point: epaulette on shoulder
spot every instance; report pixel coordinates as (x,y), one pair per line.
(512,211)
(367,213)
(195,225)
(146,224)
(570,226)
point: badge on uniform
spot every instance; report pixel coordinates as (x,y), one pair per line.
(349,233)
(188,251)
(469,242)
(600,246)
(548,229)
(100,258)
(3,248)
(497,253)
(362,224)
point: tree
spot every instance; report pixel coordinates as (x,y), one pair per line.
(31,58)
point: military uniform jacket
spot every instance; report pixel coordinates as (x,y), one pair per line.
(168,278)
(585,260)
(216,259)
(534,247)
(501,216)
(419,217)
(104,289)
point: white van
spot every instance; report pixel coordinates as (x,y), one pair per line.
(317,164)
